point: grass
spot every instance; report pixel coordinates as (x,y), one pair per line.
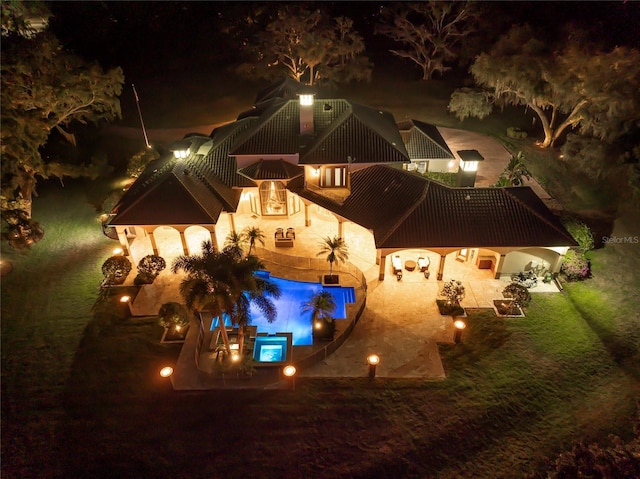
(81,396)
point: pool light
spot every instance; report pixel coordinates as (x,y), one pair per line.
(166,371)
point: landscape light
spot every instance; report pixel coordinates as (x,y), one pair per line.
(166,371)
(290,373)
(125,299)
(118,251)
(459,325)
(373,360)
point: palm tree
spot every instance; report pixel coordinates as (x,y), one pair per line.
(253,235)
(321,305)
(225,283)
(234,243)
(336,250)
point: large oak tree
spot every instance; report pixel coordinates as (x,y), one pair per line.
(46,88)
(308,46)
(430,33)
(570,85)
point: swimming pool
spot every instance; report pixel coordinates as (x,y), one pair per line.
(289,318)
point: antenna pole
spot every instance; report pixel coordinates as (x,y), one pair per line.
(144,130)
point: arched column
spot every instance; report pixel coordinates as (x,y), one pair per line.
(307,215)
(232,222)
(498,270)
(124,242)
(154,246)
(185,246)
(340,229)
(443,257)
(383,262)
(378,255)
(214,239)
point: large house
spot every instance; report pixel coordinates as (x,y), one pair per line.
(293,155)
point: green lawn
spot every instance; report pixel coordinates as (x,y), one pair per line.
(81,396)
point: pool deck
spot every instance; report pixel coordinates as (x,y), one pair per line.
(400,323)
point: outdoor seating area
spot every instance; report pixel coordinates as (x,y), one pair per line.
(284,240)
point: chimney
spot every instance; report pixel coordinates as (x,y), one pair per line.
(306,113)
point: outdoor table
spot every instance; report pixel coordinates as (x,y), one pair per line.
(410,265)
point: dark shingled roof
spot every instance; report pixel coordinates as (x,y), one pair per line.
(424,141)
(363,134)
(287,88)
(272,170)
(174,191)
(342,130)
(408,211)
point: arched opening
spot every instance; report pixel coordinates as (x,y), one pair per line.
(273,198)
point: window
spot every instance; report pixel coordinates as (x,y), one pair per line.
(273,198)
(333,176)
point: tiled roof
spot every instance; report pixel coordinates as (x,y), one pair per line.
(287,88)
(174,191)
(424,141)
(275,132)
(271,170)
(218,162)
(408,211)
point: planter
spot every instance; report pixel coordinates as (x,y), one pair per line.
(447,309)
(332,280)
(173,336)
(504,308)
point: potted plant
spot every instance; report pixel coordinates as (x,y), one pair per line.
(174,318)
(149,268)
(453,292)
(336,250)
(321,305)
(115,270)
(518,297)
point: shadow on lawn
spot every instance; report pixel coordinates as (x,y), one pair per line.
(623,350)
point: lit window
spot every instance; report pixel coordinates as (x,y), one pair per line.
(333,176)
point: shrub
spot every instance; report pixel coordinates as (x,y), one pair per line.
(575,266)
(149,268)
(449,179)
(519,294)
(580,232)
(453,291)
(173,314)
(516,133)
(116,269)
(138,162)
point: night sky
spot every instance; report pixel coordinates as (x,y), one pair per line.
(152,38)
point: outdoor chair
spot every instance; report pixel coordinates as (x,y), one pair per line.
(291,233)
(279,233)
(396,263)
(423,264)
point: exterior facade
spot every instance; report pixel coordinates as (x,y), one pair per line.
(293,155)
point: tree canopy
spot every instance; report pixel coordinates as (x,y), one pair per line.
(569,85)
(431,33)
(307,46)
(46,88)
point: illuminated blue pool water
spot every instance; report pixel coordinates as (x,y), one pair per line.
(289,318)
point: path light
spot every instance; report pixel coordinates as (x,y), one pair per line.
(118,251)
(459,325)
(373,360)
(166,371)
(290,372)
(125,299)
